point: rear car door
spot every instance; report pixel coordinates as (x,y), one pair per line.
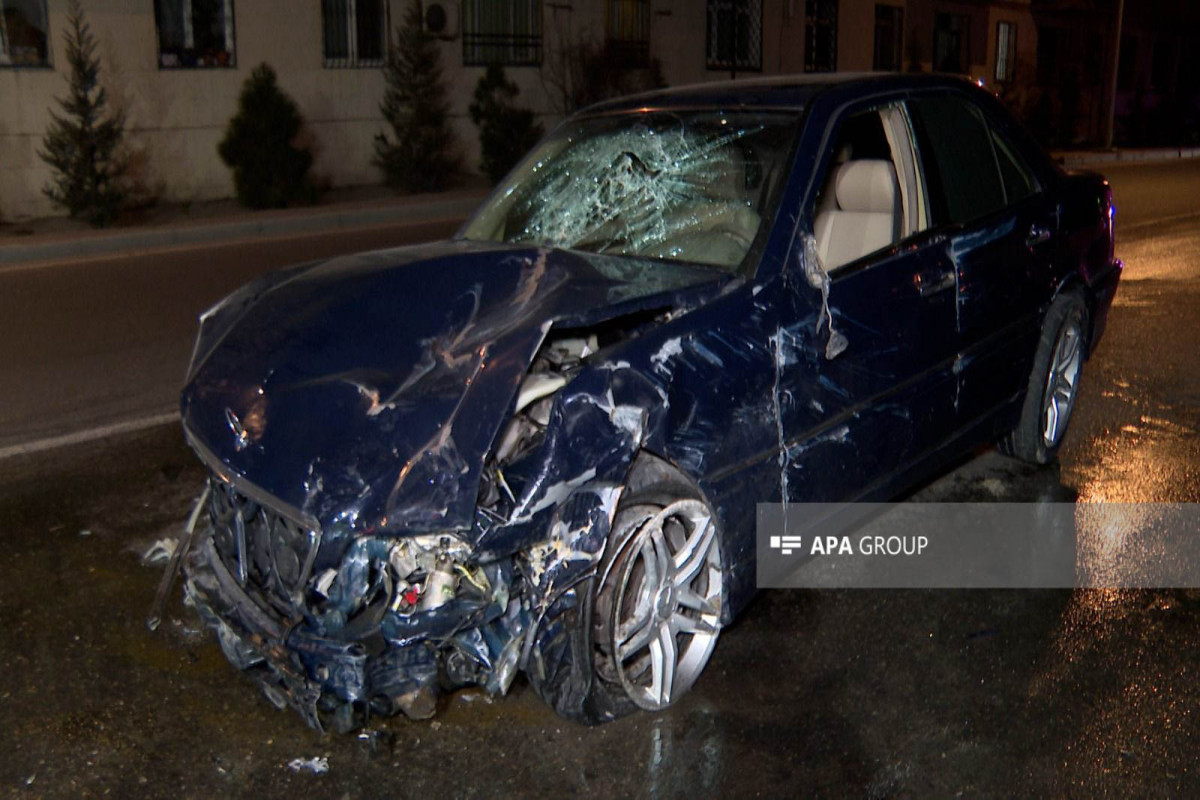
(1001,229)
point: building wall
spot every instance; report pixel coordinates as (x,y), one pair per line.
(176,117)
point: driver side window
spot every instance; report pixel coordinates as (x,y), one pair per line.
(871,194)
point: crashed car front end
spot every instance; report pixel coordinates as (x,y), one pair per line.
(348,619)
(356,638)
(416,456)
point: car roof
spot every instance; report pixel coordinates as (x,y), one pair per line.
(783,91)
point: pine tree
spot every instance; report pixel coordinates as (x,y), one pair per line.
(269,170)
(506,132)
(83,144)
(422,157)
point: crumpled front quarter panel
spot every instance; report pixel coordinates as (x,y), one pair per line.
(368,391)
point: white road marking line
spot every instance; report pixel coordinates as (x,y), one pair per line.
(89,435)
(1146,223)
(188,245)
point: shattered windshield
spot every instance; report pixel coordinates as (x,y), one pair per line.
(692,186)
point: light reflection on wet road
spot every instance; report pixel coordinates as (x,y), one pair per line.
(862,693)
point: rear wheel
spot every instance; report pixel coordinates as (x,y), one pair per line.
(1053,383)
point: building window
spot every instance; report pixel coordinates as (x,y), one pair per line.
(629,32)
(820,35)
(24,33)
(354,32)
(194,33)
(889,37)
(507,32)
(1047,55)
(734,35)
(950,50)
(1006,51)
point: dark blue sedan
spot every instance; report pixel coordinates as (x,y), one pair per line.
(538,447)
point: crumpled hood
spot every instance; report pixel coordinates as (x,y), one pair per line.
(367,390)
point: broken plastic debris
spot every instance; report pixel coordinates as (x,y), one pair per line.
(318,765)
(836,344)
(158,553)
(818,278)
(324,581)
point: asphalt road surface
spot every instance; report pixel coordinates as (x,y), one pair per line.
(101,341)
(843,693)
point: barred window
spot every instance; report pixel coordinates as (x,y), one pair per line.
(889,37)
(820,35)
(194,33)
(24,33)
(506,32)
(354,32)
(629,32)
(734,35)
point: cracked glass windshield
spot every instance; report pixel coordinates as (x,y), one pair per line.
(693,186)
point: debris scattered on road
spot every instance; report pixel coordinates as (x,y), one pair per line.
(317,765)
(160,552)
(378,742)
(85,532)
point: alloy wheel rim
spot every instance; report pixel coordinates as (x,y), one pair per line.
(1062,382)
(667,604)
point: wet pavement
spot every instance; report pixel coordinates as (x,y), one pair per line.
(844,693)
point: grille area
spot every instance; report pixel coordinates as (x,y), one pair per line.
(262,549)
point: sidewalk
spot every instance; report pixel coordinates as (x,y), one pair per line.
(1074,159)
(174,225)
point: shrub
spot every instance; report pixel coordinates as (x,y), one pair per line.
(506,132)
(581,70)
(422,156)
(269,170)
(82,145)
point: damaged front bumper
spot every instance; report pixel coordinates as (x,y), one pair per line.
(343,625)
(338,664)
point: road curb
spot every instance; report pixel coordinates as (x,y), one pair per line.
(1101,158)
(307,221)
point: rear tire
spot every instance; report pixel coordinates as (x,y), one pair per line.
(1053,383)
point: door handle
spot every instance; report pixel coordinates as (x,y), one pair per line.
(1037,235)
(932,282)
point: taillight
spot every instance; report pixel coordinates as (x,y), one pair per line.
(1109,210)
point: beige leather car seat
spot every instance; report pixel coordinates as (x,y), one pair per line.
(867,215)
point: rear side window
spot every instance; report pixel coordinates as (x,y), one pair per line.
(1019,182)
(960,166)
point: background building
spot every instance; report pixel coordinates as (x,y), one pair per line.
(176,66)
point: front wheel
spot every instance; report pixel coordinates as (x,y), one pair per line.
(1053,383)
(665,603)
(640,632)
